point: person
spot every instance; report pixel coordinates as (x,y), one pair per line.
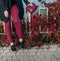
(16,10)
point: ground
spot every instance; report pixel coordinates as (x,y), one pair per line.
(44,53)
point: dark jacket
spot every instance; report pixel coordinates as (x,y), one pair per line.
(20,6)
(3,7)
(7,4)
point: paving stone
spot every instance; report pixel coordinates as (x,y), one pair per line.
(22,53)
(57,56)
(46,50)
(4,48)
(31,58)
(53,58)
(38,53)
(19,52)
(21,58)
(53,48)
(58,49)
(48,57)
(52,52)
(6,51)
(1,48)
(18,56)
(46,46)
(4,58)
(9,60)
(8,48)
(31,53)
(32,50)
(10,51)
(25,51)
(36,58)
(1,58)
(11,54)
(15,59)
(3,54)
(40,50)
(26,58)
(42,59)
(9,57)
(1,51)
(42,54)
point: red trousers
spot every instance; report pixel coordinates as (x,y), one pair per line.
(15,15)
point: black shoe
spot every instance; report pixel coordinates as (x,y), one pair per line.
(21,45)
(13,48)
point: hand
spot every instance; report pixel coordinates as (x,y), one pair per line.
(30,4)
(6,14)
